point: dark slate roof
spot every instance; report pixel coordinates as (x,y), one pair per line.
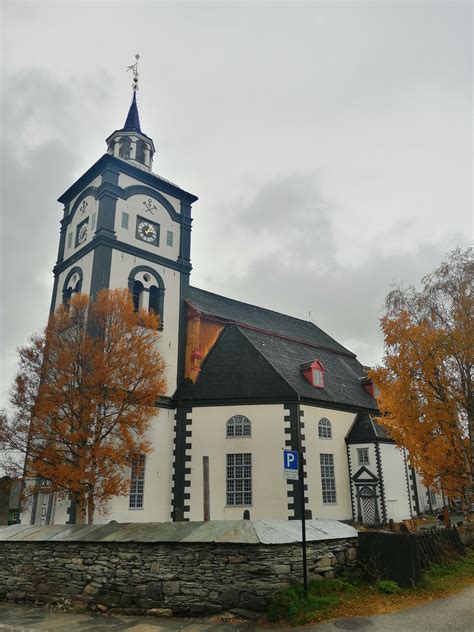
(342,372)
(260,353)
(235,369)
(228,309)
(366,428)
(132,123)
(245,364)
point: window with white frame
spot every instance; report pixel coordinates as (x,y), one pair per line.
(324,428)
(318,377)
(137,482)
(363,455)
(328,478)
(238,426)
(239,479)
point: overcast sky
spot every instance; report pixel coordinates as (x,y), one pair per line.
(329,144)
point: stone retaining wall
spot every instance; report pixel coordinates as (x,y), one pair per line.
(163,579)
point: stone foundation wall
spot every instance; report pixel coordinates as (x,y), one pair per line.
(164,579)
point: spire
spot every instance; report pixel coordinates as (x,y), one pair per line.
(133,120)
(130,143)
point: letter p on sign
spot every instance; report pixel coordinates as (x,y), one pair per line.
(290,460)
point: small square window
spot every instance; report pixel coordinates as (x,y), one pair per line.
(125,220)
(69,240)
(363,455)
(169,238)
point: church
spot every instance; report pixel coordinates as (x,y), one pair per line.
(244,382)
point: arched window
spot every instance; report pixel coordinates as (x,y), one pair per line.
(137,295)
(238,426)
(147,290)
(140,151)
(125,147)
(72,285)
(324,428)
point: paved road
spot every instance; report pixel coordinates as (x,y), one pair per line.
(453,614)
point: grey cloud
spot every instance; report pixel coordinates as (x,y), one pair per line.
(40,151)
(302,273)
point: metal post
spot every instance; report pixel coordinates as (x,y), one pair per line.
(206,491)
(303,506)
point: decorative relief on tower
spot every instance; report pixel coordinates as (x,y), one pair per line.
(83,207)
(149,206)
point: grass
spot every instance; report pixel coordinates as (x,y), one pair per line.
(348,597)
(323,595)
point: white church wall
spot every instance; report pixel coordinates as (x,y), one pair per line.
(269,489)
(127,181)
(134,207)
(340,423)
(158,477)
(395,483)
(122,265)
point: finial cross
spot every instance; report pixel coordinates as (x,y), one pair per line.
(134,69)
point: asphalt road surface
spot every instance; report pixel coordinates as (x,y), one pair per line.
(452,614)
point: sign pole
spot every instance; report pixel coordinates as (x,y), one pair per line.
(303,505)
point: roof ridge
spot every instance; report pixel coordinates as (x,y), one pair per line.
(235,300)
(342,351)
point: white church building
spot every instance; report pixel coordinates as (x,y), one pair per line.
(244,382)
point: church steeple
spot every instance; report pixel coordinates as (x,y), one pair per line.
(130,143)
(132,123)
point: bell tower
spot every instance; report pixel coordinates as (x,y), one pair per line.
(125,226)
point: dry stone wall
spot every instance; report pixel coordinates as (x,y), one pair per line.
(163,579)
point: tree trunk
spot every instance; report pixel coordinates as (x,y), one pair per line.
(90,508)
(81,508)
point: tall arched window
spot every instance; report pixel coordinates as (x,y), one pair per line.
(125,147)
(324,428)
(72,285)
(148,291)
(239,426)
(137,295)
(140,151)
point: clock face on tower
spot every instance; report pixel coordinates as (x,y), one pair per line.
(147,231)
(81,232)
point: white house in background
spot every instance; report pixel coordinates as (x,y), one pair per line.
(243,381)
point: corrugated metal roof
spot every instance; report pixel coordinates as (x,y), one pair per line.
(218,531)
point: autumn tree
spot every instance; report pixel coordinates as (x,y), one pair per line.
(84,398)
(425,381)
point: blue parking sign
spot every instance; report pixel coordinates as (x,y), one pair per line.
(290,460)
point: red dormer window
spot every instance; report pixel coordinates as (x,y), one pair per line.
(314,373)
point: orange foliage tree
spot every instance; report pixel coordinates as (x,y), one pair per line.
(84,398)
(425,382)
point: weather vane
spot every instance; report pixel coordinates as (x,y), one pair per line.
(134,69)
